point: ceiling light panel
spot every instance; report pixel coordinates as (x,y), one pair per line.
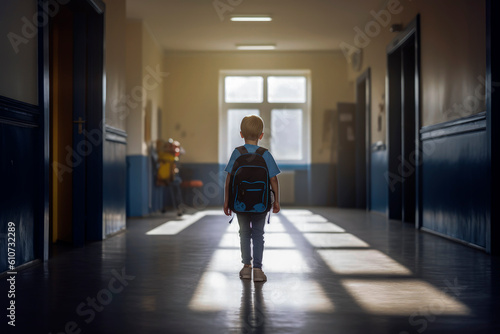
(251,18)
(255,46)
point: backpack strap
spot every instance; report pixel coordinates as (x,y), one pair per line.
(261,150)
(242,150)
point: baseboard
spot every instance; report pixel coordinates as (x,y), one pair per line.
(22,267)
(427,230)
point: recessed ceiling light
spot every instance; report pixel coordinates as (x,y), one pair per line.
(256,46)
(251,18)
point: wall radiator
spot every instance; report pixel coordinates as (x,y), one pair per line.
(287,187)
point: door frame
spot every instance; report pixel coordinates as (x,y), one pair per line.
(94,227)
(413,29)
(492,119)
(366,78)
(95,123)
(42,226)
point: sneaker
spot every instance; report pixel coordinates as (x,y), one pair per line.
(246,272)
(258,275)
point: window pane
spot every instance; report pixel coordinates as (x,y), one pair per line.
(244,89)
(286,89)
(286,134)
(234,117)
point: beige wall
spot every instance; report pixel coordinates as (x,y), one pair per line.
(153,78)
(19,51)
(452,58)
(131,107)
(191,95)
(144,89)
(115,65)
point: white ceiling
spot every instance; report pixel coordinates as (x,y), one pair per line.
(303,25)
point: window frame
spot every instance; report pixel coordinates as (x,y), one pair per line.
(265,111)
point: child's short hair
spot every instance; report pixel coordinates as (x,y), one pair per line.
(252,127)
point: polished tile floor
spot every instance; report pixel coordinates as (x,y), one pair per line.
(329,271)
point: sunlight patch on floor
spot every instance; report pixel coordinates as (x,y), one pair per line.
(219,292)
(291,287)
(285,261)
(278,240)
(296,212)
(271,240)
(275,225)
(216,292)
(230,240)
(275,261)
(226,261)
(317,227)
(334,240)
(306,219)
(297,293)
(173,227)
(403,298)
(361,261)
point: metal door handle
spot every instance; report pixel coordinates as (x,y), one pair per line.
(80,125)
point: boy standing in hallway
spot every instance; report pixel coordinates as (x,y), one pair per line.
(252,226)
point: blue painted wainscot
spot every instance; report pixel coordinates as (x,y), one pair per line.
(454,179)
(20,178)
(379,188)
(115,177)
(312,183)
(137,185)
(143,195)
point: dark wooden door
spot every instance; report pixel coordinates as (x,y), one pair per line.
(77,99)
(408,168)
(363,140)
(80,144)
(403,124)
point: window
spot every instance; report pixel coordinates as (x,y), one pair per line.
(286,89)
(281,98)
(286,134)
(243,89)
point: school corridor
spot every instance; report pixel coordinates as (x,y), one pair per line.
(118,119)
(329,271)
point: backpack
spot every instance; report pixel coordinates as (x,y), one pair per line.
(249,188)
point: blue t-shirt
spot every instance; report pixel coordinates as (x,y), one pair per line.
(272,167)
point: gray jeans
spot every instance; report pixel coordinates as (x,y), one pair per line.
(252,228)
